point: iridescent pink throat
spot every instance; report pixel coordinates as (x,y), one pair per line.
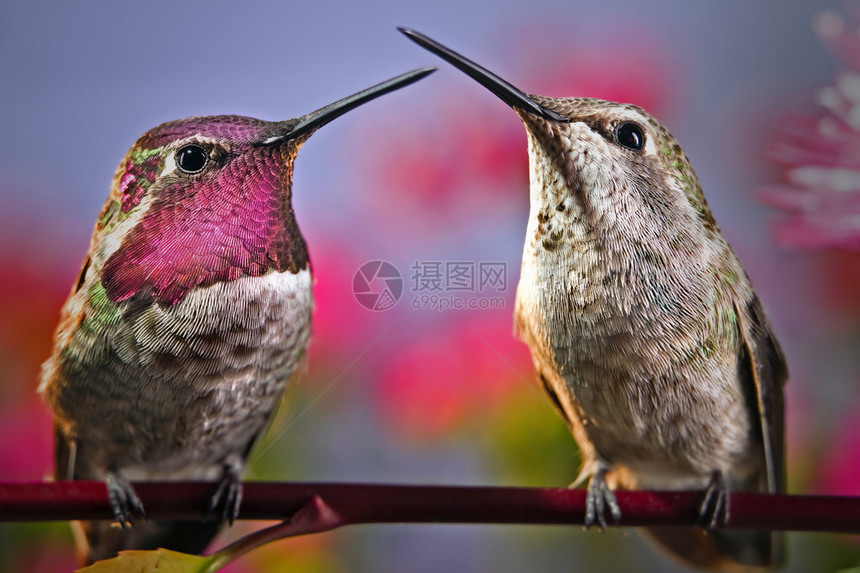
(237,222)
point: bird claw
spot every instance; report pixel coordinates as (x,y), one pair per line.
(598,498)
(123,499)
(228,495)
(714,509)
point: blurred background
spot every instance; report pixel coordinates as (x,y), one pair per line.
(433,180)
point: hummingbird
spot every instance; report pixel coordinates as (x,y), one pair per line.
(643,326)
(191,313)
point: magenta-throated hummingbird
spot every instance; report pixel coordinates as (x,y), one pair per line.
(191,312)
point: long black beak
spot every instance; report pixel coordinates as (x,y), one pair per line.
(316,119)
(507,92)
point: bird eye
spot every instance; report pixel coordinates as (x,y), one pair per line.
(192,159)
(630,135)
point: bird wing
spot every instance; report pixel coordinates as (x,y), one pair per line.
(553,396)
(767,370)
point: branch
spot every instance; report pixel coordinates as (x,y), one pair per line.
(314,517)
(366,503)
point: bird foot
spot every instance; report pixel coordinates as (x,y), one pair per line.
(714,509)
(228,495)
(123,499)
(598,499)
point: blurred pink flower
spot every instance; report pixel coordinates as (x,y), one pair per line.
(841,465)
(445,165)
(340,324)
(31,294)
(27,450)
(34,287)
(840,282)
(820,156)
(446,377)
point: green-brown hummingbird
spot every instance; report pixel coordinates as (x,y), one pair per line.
(191,313)
(643,326)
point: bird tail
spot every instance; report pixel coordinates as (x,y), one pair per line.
(722,550)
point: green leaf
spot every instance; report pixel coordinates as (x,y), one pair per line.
(158,561)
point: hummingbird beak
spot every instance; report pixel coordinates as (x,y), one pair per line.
(316,119)
(508,93)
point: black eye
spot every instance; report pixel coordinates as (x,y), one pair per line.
(192,158)
(630,135)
